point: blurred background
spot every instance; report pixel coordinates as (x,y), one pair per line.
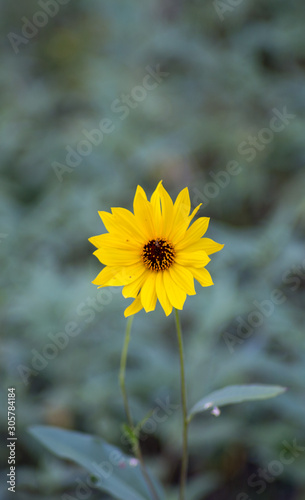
(97,97)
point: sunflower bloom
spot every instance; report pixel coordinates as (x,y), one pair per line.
(153,253)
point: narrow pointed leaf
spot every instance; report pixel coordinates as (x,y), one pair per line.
(235,394)
(116,473)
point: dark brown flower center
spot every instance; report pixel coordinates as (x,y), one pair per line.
(158,254)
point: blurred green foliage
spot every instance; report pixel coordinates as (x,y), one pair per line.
(225,77)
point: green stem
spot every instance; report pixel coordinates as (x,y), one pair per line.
(123,370)
(137,449)
(184,410)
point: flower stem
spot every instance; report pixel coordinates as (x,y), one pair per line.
(123,370)
(136,446)
(184,410)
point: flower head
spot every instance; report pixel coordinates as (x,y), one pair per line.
(153,253)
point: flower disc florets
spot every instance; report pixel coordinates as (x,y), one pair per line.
(158,254)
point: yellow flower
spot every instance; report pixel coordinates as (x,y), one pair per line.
(153,253)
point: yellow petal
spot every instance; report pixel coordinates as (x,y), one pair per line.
(182,207)
(192,259)
(179,231)
(135,307)
(203,276)
(194,233)
(114,257)
(122,242)
(108,220)
(211,246)
(144,214)
(175,295)
(125,221)
(108,277)
(183,278)
(118,275)
(148,292)
(162,295)
(167,209)
(194,212)
(125,215)
(140,191)
(194,247)
(132,289)
(202,245)
(155,201)
(95,240)
(122,223)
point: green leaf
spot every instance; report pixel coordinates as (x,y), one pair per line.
(235,394)
(117,474)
